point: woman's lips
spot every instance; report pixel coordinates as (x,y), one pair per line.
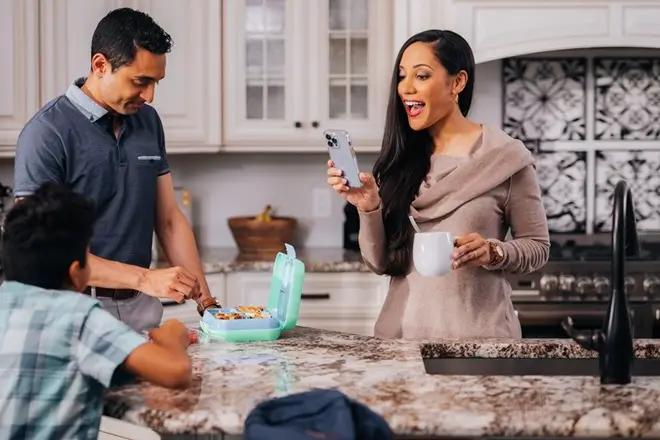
(414,108)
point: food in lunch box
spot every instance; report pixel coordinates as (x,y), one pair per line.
(253,309)
(243,312)
(229,315)
(253,312)
(257,315)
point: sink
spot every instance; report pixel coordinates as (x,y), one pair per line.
(537,357)
(530,367)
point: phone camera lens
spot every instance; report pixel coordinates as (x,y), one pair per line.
(330,144)
(334,141)
(327,136)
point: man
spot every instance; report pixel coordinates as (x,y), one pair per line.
(101,140)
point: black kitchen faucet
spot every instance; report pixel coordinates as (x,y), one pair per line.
(614,342)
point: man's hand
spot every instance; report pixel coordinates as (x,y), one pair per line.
(175,283)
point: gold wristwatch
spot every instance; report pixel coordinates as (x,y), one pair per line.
(496,253)
(207,303)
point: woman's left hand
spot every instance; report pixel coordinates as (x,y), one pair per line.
(471,250)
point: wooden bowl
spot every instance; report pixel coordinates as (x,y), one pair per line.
(259,240)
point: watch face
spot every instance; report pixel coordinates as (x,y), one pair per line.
(496,250)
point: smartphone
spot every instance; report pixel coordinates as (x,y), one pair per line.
(342,154)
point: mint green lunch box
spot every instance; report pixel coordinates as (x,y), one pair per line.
(283,305)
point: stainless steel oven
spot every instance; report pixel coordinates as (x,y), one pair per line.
(576,282)
(543,320)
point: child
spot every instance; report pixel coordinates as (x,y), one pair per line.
(59,350)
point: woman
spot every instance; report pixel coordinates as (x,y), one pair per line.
(451,175)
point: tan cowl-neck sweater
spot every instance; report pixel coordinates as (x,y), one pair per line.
(491,190)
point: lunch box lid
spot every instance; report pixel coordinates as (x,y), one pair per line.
(286,287)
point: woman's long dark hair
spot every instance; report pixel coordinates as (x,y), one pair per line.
(405,156)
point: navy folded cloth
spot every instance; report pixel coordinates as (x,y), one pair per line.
(317,414)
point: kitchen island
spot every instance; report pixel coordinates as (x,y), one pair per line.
(389,377)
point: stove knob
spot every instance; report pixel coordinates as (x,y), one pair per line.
(601,285)
(651,285)
(584,285)
(548,283)
(566,283)
(629,285)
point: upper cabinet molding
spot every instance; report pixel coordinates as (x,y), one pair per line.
(500,29)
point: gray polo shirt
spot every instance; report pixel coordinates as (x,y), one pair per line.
(70,141)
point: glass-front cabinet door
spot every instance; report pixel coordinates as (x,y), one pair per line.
(349,83)
(293,68)
(262,92)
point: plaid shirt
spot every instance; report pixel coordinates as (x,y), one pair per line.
(58,352)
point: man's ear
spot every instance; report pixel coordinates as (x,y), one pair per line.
(100,65)
(79,276)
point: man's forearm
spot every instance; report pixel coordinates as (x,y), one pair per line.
(115,275)
(178,242)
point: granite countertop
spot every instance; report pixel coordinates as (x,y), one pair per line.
(219,260)
(389,377)
(525,348)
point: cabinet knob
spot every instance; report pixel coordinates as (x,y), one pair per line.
(298,124)
(315,124)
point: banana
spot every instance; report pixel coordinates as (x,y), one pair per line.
(265,215)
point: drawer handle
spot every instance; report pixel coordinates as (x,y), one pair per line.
(315,296)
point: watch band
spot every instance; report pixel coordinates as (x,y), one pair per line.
(206,303)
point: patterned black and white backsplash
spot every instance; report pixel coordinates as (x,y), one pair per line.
(642,170)
(546,99)
(627,104)
(561,178)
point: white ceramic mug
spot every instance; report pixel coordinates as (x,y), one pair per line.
(432,253)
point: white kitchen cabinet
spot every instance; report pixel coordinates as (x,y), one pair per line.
(188,99)
(217,285)
(187,312)
(248,288)
(502,28)
(347,301)
(296,67)
(19,46)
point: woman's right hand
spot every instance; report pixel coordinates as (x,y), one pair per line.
(366,199)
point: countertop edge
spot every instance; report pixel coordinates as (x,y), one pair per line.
(388,377)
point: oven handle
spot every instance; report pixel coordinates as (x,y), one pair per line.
(561,314)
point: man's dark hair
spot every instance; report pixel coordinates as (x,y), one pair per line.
(44,233)
(122,31)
